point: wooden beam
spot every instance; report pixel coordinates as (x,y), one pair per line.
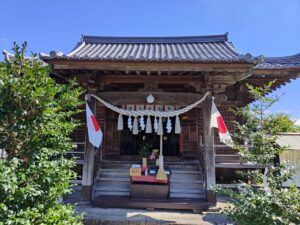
(88,163)
(150,66)
(240,77)
(285,71)
(142,79)
(209,152)
(164,98)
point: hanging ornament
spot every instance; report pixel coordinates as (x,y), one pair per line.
(155,125)
(160,130)
(120,122)
(169,125)
(135,129)
(129,123)
(150,99)
(177,125)
(142,123)
(148,126)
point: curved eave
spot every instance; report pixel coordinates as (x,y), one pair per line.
(279,63)
(86,59)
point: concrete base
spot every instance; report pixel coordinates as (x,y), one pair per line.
(109,216)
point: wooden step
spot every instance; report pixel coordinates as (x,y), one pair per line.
(186,181)
(110,193)
(186,177)
(113,179)
(113,174)
(111,188)
(187,195)
(113,170)
(185,171)
(187,191)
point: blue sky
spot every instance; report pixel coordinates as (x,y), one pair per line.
(268,27)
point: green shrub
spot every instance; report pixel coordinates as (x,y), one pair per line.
(35,125)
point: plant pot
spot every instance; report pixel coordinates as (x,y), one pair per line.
(144,162)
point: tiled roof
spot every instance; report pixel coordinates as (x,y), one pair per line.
(212,48)
(285,62)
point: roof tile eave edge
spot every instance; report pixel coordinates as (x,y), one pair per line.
(276,67)
(235,61)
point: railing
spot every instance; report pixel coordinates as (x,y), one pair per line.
(77,153)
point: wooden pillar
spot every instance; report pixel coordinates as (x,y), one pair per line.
(88,162)
(209,152)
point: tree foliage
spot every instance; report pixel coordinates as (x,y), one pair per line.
(282,122)
(256,138)
(269,203)
(35,125)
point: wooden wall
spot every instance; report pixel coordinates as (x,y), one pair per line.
(189,134)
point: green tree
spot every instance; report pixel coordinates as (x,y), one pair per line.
(35,125)
(269,203)
(255,137)
(282,122)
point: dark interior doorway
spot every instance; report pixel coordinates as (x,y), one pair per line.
(130,144)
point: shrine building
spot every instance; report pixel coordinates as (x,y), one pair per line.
(162,75)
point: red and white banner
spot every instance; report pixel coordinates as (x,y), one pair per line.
(218,122)
(94,131)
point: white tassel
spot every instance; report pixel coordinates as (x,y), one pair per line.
(155,125)
(120,122)
(266,187)
(135,129)
(148,126)
(169,125)
(177,125)
(142,123)
(129,123)
(160,130)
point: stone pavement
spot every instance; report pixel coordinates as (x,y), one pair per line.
(116,216)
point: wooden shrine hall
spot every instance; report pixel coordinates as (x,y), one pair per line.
(176,72)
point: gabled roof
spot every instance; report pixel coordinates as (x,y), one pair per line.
(211,48)
(285,62)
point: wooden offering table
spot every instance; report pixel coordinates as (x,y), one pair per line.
(148,187)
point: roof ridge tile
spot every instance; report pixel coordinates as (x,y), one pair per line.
(154,40)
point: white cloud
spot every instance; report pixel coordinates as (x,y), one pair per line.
(297,122)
